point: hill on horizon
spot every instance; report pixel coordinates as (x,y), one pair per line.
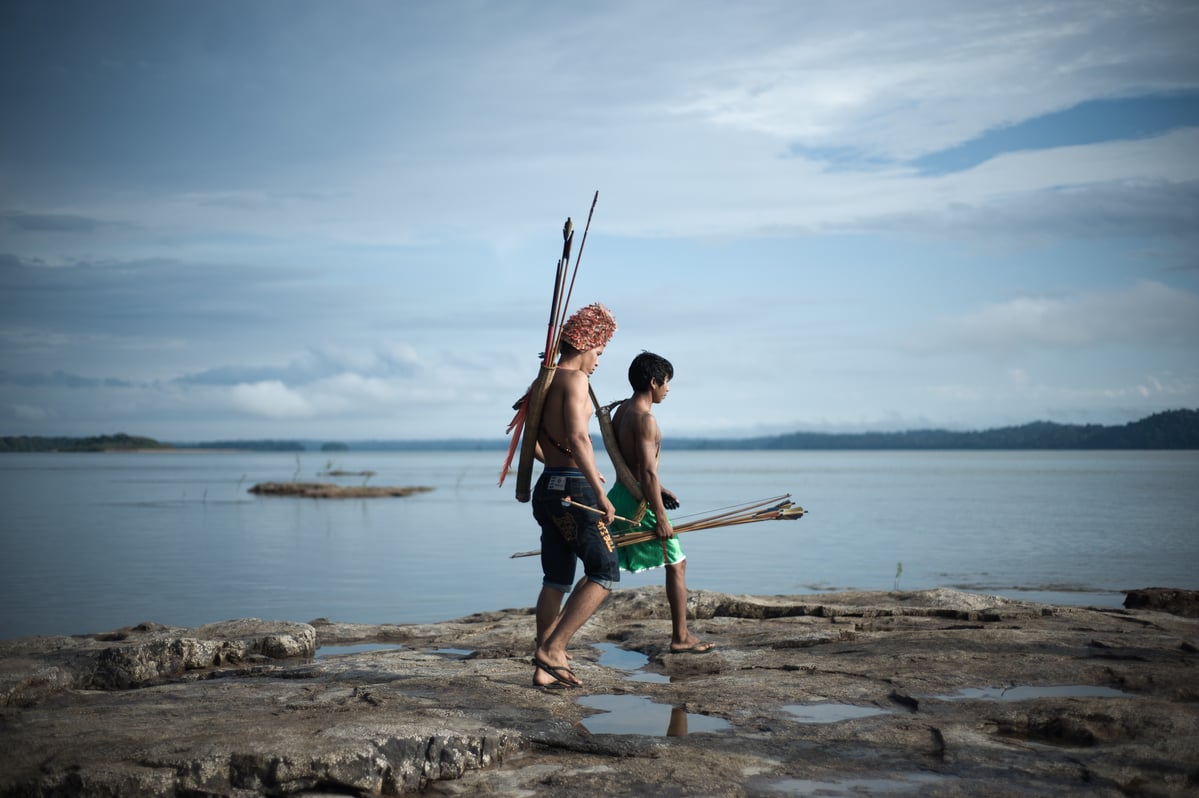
(1170,429)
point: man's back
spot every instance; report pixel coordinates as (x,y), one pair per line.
(564,416)
(637,435)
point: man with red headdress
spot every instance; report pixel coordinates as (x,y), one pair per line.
(568,533)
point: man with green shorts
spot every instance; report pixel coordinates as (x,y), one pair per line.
(640,443)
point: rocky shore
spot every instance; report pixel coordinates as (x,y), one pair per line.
(931,693)
(328,490)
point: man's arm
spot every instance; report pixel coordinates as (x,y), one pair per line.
(649,445)
(577,420)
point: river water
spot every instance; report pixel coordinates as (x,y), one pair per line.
(93,542)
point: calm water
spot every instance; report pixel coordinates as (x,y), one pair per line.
(94,542)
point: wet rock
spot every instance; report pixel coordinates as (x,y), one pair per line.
(1162,599)
(845,693)
(327,490)
(36,667)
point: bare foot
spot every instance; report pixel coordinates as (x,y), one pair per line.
(692,645)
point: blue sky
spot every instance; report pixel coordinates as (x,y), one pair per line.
(341,220)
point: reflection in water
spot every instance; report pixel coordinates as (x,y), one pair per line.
(830,713)
(455,653)
(633,662)
(1027,692)
(613,656)
(359,648)
(632,714)
(899,783)
(678,723)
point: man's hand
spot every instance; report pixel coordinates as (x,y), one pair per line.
(669,501)
(609,510)
(663,528)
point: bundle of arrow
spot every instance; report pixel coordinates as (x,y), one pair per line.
(778,508)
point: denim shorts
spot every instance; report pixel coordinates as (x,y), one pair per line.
(569,534)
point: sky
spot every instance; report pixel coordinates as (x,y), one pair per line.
(341,221)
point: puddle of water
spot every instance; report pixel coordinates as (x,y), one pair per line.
(455,653)
(850,788)
(613,656)
(634,714)
(831,713)
(648,678)
(360,648)
(1027,692)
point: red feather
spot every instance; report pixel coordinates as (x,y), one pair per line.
(518,424)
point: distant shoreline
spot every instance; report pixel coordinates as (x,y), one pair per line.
(1168,430)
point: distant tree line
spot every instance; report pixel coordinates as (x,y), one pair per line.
(248,446)
(1172,429)
(97,443)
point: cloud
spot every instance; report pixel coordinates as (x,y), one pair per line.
(26,222)
(686,133)
(343,396)
(385,359)
(1148,313)
(29,413)
(61,379)
(1145,187)
(251,216)
(918,81)
(1112,210)
(270,399)
(1102,397)
(392,383)
(1091,122)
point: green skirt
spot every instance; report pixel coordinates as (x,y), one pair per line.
(648,554)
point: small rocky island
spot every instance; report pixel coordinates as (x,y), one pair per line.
(931,693)
(328,490)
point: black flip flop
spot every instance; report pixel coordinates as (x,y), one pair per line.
(556,671)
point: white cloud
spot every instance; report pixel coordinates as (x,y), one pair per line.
(1168,158)
(349,393)
(270,399)
(1147,313)
(29,413)
(920,80)
(362,213)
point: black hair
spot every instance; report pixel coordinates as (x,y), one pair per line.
(646,368)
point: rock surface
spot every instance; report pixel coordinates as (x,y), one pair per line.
(1178,602)
(909,693)
(327,490)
